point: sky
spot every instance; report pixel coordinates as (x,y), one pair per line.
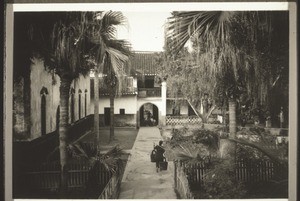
(145,30)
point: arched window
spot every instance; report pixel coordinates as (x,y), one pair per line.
(85,102)
(79,103)
(72,105)
(43,93)
(57,117)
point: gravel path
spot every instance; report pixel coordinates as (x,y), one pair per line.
(140,180)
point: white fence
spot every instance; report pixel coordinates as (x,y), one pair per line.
(181,120)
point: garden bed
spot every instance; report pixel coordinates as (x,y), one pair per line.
(199,150)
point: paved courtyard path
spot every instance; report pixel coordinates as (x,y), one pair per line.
(140,180)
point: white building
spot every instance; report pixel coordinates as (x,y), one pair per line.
(143,100)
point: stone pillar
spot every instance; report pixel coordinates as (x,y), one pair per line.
(164,102)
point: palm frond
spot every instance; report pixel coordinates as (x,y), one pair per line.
(110,20)
(189,153)
(67,48)
(110,159)
(182,26)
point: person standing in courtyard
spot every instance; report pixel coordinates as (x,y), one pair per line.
(159,156)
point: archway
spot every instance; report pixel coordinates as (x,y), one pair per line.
(149,115)
(72,105)
(44,93)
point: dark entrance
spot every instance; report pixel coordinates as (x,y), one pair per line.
(149,81)
(79,104)
(43,115)
(43,93)
(149,115)
(57,117)
(85,103)
(106,116)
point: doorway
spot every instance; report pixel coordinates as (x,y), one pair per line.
(43,115)
(149,115)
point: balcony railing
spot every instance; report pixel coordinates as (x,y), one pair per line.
(149,92)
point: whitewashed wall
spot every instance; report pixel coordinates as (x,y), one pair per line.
(128,103)
(41,78)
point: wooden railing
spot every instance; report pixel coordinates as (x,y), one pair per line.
(181,182)
(81,176)
(26,152)
(247,171)
(149,92)
(80,127)
(112,189)
(181,120)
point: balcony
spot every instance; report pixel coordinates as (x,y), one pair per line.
(149,92)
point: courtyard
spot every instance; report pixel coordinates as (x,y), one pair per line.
(214,98)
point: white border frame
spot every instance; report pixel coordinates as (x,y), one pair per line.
(144,7)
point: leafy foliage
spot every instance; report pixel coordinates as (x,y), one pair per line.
(257,143)
(220,182)
(235,52)
(110,159)
(194,145)
(108,53)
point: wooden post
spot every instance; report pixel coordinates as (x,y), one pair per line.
(175,174)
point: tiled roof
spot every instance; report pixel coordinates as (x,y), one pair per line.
(144,62)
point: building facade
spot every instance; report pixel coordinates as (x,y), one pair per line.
(36,102)
(143,100)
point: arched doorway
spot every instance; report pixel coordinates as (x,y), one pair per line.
(44,93)
(148,115)
(79,103)
(72,105)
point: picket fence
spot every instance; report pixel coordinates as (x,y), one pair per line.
(113,186)
(246,171)
(181,120)
(80,176)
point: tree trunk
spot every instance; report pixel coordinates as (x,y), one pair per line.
(63,129)
(112,108)
(228,147)
(27,100)
(96,108)
(232,118)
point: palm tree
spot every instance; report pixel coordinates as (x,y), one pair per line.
(62,45)
(110,54)
(229,43)
(111,82)
(114,80)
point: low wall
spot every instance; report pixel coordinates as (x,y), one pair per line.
(182,120)
(120,120)
(125,120)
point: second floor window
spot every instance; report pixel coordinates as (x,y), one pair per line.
(122,111)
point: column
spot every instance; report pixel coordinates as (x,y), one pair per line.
(164,102)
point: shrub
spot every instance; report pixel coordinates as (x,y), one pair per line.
(220,182)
